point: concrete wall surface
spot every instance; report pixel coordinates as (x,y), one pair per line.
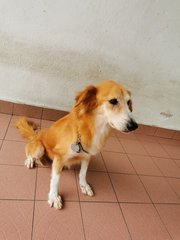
(51,49)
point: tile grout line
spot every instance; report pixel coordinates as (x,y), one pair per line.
(84,233)
(173,134)
(162,171)
(13,109)
(83,201)
(165,149)
(176,163)
(7,128)
(157,167)
(142,182)
(135,153)
(138,154)
(163,222)
(173,159)
(34,205)
(156,130)
(173,162)
(41,119)
(99,171)
(12,140)
(152,202)
(1,143)
(117,199)
(172,188)
(3,139)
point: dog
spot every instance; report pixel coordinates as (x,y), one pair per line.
(80,134)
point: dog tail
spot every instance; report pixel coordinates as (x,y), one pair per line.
(27,130)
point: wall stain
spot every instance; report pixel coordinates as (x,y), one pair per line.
(68,65)
(166,114)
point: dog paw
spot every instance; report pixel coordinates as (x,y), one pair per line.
(29,162)
(56,202)
(87,190)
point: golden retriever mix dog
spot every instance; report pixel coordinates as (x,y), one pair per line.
(80,134)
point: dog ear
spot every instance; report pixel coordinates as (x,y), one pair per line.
(86,100)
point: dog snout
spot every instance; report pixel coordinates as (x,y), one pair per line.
(132,125)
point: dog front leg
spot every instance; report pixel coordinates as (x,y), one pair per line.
(55,199)
(85,188)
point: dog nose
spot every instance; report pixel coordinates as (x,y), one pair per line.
(132,125)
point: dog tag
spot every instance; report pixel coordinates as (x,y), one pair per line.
(75,147)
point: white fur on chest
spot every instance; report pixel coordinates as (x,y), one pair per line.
(101,132)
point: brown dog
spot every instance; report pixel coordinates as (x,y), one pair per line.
(80,134)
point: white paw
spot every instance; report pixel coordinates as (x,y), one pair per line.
(29,162)
(87,190)
(55,202)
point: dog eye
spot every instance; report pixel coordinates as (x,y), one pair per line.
(113,101)
(128,102)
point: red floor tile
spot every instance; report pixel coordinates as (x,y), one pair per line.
(167,167)
(97,164)
(12,153)
(145,130)
(13,133)
(144,165)
(173,151)
(113,145)
(4,122)
(133,146)
(129,188)
(144,223)
(63,224)
(26,110)
(147,151)
(6,107)
(51,114)
(154,149)
(175,184)
(159,190)
(101,186)
(17,182)
(130,135)
(117,162)
(67,187)
(177,163)
(103,221)
(176,135)
(146,138)
(16,219)
(167,141)
(165,133)
(170,215)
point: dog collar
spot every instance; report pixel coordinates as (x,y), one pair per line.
(77,147)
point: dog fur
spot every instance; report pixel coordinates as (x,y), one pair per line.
(97,109)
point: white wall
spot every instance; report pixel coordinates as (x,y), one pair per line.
(51,49)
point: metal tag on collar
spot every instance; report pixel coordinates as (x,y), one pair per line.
(76,147)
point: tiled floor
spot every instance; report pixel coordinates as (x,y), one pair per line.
(136,180)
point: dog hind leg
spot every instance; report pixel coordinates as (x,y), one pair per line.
(34,151)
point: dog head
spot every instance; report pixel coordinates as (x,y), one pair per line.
(112,100)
